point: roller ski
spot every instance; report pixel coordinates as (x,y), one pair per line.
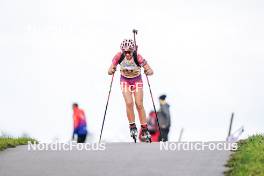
(145,135)
(133,132)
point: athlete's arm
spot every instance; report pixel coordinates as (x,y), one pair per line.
(142,62)
(115,61)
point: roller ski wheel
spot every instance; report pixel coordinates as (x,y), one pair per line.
(145,136)
(134,133)
(135,139)
(148,140)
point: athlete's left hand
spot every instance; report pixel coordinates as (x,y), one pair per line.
(148,71)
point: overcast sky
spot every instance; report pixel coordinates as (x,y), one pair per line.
(207,56)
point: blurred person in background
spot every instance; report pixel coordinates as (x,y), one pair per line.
(164,118)
(79,124)
(152,127)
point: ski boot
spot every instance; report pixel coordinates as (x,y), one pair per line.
(145,135)
(133,131)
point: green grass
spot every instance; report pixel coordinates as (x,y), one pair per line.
(248,160)
(8,142)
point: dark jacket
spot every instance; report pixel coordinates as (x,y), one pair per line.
(164,116)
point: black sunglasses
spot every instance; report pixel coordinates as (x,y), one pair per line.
(127,52)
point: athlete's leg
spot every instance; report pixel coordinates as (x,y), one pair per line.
(138,94)
(129,103)
(81,138)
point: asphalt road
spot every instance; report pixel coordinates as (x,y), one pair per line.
(118,159)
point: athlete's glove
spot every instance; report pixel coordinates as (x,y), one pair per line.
(148,71)
(111,70)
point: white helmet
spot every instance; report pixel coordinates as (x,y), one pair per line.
(128,44)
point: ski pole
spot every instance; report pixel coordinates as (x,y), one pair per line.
(106,106)
(135,33)
(154,107)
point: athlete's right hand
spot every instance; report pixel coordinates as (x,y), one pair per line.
(111,70)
